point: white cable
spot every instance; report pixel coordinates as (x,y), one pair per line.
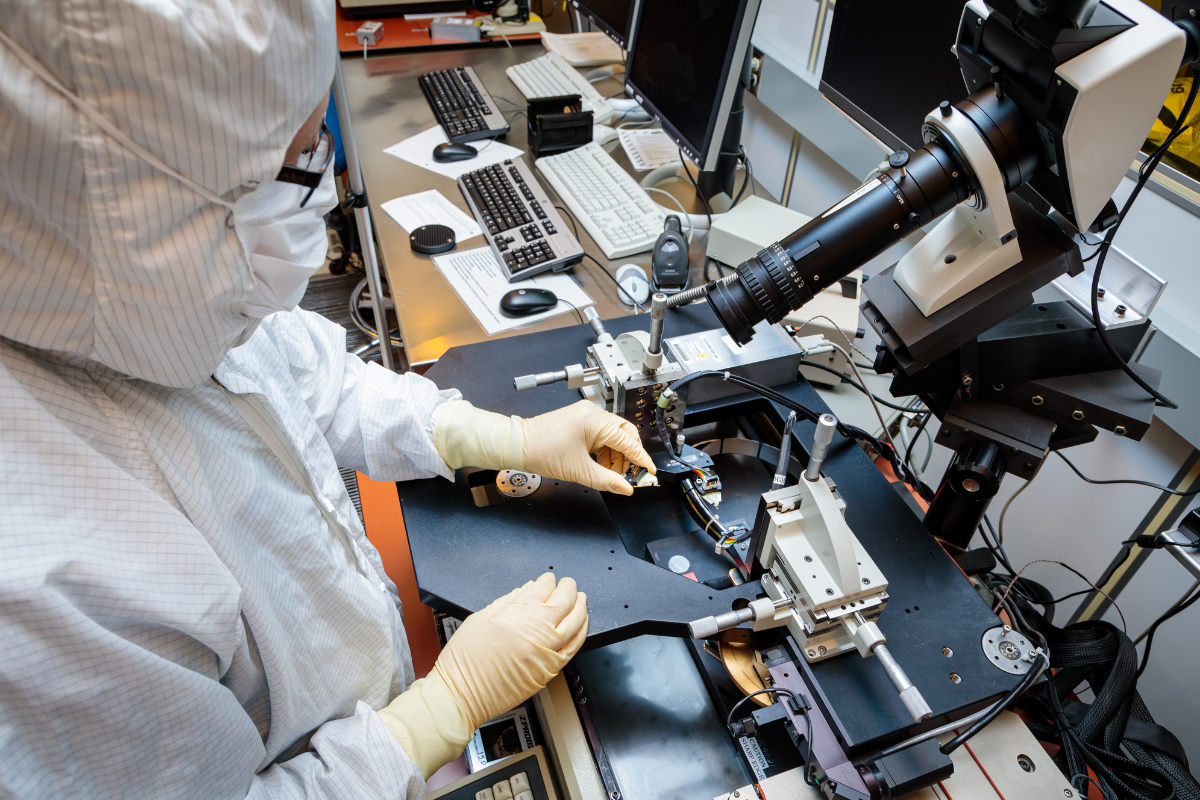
(887,434)
(675,200)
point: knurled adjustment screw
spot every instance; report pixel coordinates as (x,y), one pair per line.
(945,108)
(898,159)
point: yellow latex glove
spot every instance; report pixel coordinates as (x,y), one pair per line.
(557,444)
(497,659)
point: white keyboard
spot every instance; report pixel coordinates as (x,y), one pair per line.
(607,201)
(551,76)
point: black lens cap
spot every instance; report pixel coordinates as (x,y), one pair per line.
(431,239)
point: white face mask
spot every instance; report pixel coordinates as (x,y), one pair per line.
(160,318)
(283,235)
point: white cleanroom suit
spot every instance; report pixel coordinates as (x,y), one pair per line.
(189,606)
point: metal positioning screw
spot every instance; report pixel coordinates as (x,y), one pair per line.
(966,380)
(1100,292)
(1068,793)
(955,677)
(866,581)
(615,795)
(1024,763)
(1077,415)
(947,652)
(1037,400)
(997,387)
(812,653)
(1120,310)
(1119,430)
(896,226)
(829,591)
(808,559)
(822,650)
(518,479)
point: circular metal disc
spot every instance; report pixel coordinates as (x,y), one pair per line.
(1007,650)
(517,484)
(679,564)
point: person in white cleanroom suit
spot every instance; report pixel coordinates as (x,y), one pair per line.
(188,604)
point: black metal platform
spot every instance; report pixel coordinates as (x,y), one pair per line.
(465,556)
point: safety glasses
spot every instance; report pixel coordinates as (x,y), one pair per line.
(306,175)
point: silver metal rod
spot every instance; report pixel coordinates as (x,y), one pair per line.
(362,216)
(710,626)
(1184,553)
(909,694)
(930,734)
(524,382)
(826,425)
(658,315)
(602,334)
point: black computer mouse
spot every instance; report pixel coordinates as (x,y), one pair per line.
(448,151)
(523,302)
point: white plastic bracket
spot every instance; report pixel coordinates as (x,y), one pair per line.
(975,242)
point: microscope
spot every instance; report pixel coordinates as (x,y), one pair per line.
(1062,95)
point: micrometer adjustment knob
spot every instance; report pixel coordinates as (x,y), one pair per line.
(710,626)
(523,382)
(909,694)
(826,425)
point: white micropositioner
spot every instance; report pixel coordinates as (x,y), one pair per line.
(820,581)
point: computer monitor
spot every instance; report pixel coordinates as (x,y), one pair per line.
(889,64)
(614,17)
(685,67)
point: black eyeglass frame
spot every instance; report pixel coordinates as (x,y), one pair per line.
(303,176)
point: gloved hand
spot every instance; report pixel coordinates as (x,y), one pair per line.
(497,659)
(557,444)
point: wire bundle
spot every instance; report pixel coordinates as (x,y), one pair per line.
(848,431)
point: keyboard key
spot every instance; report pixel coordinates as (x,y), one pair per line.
(485,794)
(502,791)
(519,782)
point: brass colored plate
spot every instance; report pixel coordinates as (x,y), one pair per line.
(739,663)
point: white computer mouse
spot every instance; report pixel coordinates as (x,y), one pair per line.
(632,280)
(602,134)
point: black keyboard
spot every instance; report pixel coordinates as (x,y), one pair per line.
(462,106)
(519,220)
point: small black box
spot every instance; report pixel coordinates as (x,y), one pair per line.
(558,124)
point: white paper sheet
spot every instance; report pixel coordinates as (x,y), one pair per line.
(419,150)
(583,49)
(648,148)
(431,208)
(479,281)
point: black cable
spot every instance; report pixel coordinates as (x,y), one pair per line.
(848,431)
(785,452)
(575,230)
(917,435)
(1148,166)
(578,313)
(1035,671)
(746,180)
(1150,632)
(609,275)
(1132,481)
(847,379)
(691,180)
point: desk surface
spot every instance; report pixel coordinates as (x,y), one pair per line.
(386,107)
(413,34)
